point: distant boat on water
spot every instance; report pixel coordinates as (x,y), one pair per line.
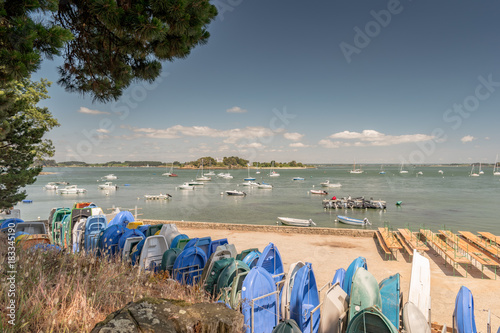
(382,172)
(296,222)
(472,173)
(495,168)
(354,170)
(402,170)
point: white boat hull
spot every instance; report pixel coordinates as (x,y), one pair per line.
(420,284)
(296,222)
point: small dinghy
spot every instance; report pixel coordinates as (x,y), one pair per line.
(320,192)
(236,193)
(352,221)
(414,320)
(296,222)
(334,310)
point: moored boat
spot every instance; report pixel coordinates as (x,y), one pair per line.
(298,178)
(328,184)
(110,177)
(321,192)
(157,196)
(107,186)
(51,186)
(352,221)
(236,193)
(265,186)
(186,186)
(296,222)
(72,189)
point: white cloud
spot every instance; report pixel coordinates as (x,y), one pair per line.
(229,136)
(89,111)
(236,109)
(325,143)
(374,138)
(293,136)
(102,130)
(257,145)
(298,145)
(467,138)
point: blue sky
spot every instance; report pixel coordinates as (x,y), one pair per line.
(319,82)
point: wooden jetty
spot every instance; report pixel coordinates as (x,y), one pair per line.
(448,251)
(472,251)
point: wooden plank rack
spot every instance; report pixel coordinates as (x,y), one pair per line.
(472,251)
(489,236)
(482,243)
(388,241)
(446,250)
(413,241)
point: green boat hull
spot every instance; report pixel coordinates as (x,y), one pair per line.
(365,292)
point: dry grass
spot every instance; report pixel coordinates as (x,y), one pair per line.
(62,292)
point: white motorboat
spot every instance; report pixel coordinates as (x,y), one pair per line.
(328,184)
(441,171)
(298,178)
(250,183)
(195,183)
(51,187)
(110,177)
(157,196)
(107,186)
(265,186)
(321,192)
(295,222)
(186,186)
(72,189)
(236,193)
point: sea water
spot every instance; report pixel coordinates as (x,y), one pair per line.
(434,200)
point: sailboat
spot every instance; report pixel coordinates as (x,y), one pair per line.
(354,170)
(258,170)
(273,173)
(495,168)
(249,178)
(472,173)
(210,171)
(402,168)
(203,178)
(481,172)
(382,172)
(171,172)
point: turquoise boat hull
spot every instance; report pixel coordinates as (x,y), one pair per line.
(370,320)
(390,290)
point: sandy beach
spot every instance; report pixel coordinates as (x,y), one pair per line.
(330,252)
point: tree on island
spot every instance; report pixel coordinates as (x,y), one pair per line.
(105,45)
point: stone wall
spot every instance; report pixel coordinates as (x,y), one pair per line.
(267,228)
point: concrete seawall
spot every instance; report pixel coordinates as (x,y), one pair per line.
(267,228)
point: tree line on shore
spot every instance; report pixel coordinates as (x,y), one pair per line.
(208,162)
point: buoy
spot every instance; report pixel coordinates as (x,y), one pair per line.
(398,203)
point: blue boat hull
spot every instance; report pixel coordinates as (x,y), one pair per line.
(463,316)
